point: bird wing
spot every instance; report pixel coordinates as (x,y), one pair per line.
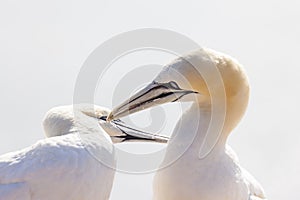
(255,189)
(42,157)
(14,191)
(256,198)
(60,159)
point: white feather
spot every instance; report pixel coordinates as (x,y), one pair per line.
(64,166)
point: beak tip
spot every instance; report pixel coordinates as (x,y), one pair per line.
(110,117)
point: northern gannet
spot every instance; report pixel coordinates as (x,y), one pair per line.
(217,175)
(75,162)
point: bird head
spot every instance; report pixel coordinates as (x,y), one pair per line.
(205,77)
(85,118)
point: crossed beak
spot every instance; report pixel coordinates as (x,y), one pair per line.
(152,95)
(129,134)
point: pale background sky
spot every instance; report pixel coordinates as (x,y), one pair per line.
(44,43)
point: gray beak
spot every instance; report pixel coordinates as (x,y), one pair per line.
(152,95)
(129,134)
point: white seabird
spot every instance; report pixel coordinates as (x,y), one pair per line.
(218,175)
(75,162)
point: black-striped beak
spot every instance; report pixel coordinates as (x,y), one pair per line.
(120,132)
(152,95)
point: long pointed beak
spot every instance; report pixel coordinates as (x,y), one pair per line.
(130,134)
(152,95)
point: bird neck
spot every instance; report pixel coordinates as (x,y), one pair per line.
(200,131)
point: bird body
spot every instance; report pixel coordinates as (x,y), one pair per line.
(216,176)
(60,167)
(76,162)
(56,168)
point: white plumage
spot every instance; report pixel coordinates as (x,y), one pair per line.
(208,168)
(60,167)
(75,162)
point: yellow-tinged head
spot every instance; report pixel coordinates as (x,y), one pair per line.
(197,76)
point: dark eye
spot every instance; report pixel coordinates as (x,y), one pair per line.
(102,118)
(155,83)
